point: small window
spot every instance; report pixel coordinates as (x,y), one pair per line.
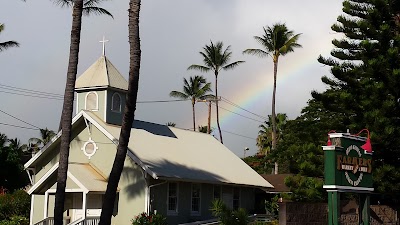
(116,103)
(217,192)
(196,196)
(172,198)
(236,198)
(89,148)
(91,101)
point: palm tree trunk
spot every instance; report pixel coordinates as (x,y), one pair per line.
(209,118)
(67,111)
(273,112)
(194,115)
(216,105)
(129,113)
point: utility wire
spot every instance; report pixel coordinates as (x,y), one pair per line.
(29,90)
(11,125)
(238,106)
(19,119)
(163,101)
(34,96)
(229,132)
(239,114)
(61,98)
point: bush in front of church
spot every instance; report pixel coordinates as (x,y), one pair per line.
(149,219)
(14,208)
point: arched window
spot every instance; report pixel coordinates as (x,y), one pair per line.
(116,103)
(91,102)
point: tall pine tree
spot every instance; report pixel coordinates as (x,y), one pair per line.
(365,65)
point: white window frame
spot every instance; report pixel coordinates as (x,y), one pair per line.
(173,212)
(97,101)
(112,103)
(95,148)
(195,213)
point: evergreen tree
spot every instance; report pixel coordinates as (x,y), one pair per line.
(365,65)
(362,93)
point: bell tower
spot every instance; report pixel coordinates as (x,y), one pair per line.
(102,89)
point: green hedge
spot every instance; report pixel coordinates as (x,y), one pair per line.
(14,208)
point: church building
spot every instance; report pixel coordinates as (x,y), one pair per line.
(171,171)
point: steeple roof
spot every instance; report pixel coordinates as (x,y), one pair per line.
(102,73)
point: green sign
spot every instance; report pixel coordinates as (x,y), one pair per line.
(348,167)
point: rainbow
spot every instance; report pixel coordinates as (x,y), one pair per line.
(248,97)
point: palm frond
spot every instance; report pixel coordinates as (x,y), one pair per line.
(290,45)
(8,44)
(92,3)
(178,94)
(232,65)
(63,3)
(96,11)
(199,68)
(257,52)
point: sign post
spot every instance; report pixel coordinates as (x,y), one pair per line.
(348,168)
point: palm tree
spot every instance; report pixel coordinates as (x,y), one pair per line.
(78,8)
(171,124)
(264,141)
(205,129)
(276,41)
(129,113)
(197,88)
(216,59)
(7,44)
(37,143)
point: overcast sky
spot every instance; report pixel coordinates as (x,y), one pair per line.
(172,34)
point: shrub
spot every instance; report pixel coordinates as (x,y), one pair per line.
(15,204)
(15,220)
(227,216)
(149,219)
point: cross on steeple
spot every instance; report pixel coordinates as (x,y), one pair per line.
(104,45)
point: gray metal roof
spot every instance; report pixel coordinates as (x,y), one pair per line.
(177,154)
(169,153)
(102,73)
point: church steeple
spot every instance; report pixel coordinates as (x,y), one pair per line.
(102,89)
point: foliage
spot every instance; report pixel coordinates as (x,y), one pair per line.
(14,206)
(305,189)
(15,220)
(12,174)
(277,40)
(259,163)
(171,124)
(274,222)
(149,219)
(215,59)
(272,207)
(365,68)
(195,89)
(227,216)
(362,93)
(7,44)
(264,141)
(35,144)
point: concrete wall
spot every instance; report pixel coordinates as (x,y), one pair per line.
(292,213)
